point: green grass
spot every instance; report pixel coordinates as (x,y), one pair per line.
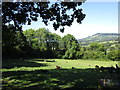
(37,74)
(36,64)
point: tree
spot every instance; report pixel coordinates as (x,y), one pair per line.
(41,36)
(70,45)
(97,46)
(67,39)
(14,42)
(44,43)
(81,52)
(53,42)
(22,13)
(30,35)
(114,55)
(37,39)
(95,51)
(94,46)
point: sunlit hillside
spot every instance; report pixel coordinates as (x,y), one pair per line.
(100,37)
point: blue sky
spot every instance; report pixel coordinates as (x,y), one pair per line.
(101,17)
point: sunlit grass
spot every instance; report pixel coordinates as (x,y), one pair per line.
(66,64)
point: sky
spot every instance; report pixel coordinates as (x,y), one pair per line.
(101,17)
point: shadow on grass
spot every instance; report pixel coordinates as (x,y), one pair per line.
(7,64)
(52,79)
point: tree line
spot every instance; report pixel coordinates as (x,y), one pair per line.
(42,43)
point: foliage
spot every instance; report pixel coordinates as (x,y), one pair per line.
(114,54)
(14,42)
(29,35)
(94,55)
(95,51)
(70,46)
(42,43)
(97,47)
(22,13)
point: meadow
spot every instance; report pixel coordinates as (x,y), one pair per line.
(42,74)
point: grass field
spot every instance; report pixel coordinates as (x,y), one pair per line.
(42,74)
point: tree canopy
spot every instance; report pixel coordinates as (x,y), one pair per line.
(22,13)
(41,43)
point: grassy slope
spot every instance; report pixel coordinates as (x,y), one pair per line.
(28,74)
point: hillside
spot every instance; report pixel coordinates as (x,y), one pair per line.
(99,37)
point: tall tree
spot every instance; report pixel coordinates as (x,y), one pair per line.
(44,43)
(30,35)
(14,42)
(70,45)
(67,39)
(114,54)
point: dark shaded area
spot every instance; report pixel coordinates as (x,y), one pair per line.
(14,43)
(20,63)
(111,70)
(57,79)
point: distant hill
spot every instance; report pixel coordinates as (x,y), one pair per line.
(99,37)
